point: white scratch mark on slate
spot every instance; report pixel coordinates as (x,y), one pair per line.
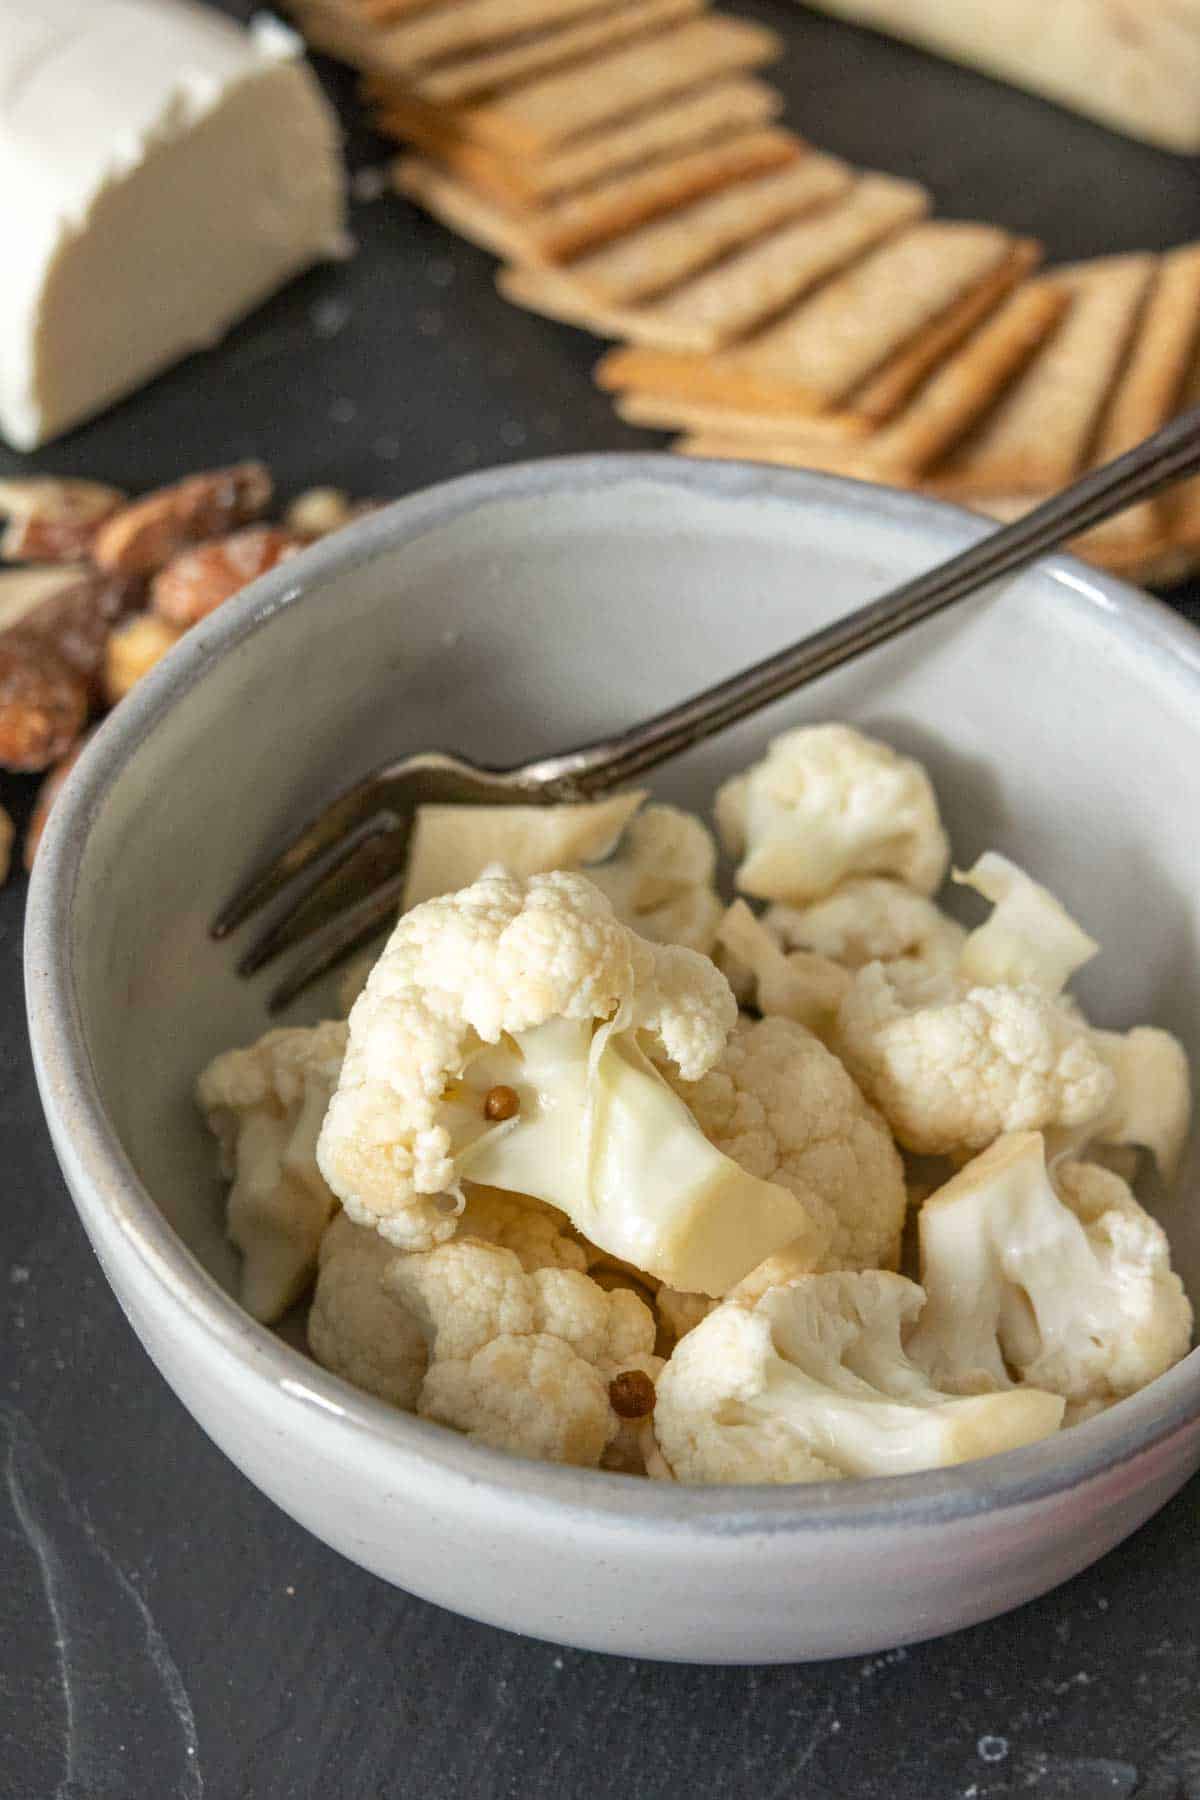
(81,1583)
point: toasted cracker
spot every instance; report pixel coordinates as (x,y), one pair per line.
(739,293)
(431,33)
(380,52)
(1037,437)
(535,60)
(658,412)
(941,410)
(955,395)
(540,116)
(716,306)
(789,453)
(665,252)
(824,348)
(670,323)
(614,207)
(541,290)
(725,109)
(625,202)
(450,201)
(885,393)
(1148,390)
(863,411)
(382,10)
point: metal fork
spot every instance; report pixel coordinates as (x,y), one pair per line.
(353,854)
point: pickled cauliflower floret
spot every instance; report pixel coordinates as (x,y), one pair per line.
(785,1109)
(265,1105)
(538,1236)
(522,1362)
(954,1071)
(812,1383)
(357,1328)
(871,919)
(797,985)
(453,845)
(827,803)
(1151,1107)
(662,878)
(1065,1284)
(1029,940)
(680,1313)
(500,1039)
(880,1221)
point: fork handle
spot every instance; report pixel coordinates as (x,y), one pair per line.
(1168,456)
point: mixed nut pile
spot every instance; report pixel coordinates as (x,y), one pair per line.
(102,586)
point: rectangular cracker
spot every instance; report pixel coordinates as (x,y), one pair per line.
(618,207)
(657,412)
(553,56)
(377,10)
(1038,435)
(1150,385)
(960,390)
(826,458)
(542,115)
(434,33)
(823,349)
(729,300)
(666,251)
(380,52)
(725,109)
(453,203)
(883,396)
(708,310)
(941,411)
(544,235)
(868,407)
(721,303)
(382,10)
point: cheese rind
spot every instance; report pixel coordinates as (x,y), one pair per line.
(1132,64)
(163,171)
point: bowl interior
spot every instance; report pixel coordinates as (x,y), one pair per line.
(507,616)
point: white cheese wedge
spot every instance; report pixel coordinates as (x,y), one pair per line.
(162,171)
(1133,64)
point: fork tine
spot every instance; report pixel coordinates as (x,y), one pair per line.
(322,833)
(343,934)
(372,853)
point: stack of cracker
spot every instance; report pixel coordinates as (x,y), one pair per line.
(626,163)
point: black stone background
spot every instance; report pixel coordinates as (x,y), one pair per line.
(164,1631)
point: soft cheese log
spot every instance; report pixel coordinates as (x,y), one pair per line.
(1134,64)
(161,172)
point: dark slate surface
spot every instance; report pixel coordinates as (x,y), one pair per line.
(164,1631)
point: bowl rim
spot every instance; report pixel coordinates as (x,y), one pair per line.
(118,1209)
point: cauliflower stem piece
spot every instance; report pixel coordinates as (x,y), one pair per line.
(453,845)
(265,1105)
(535,990)
(811,1383)
(1070,1290)
(604,1139)
(1030,938)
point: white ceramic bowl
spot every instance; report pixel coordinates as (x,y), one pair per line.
(513,613)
